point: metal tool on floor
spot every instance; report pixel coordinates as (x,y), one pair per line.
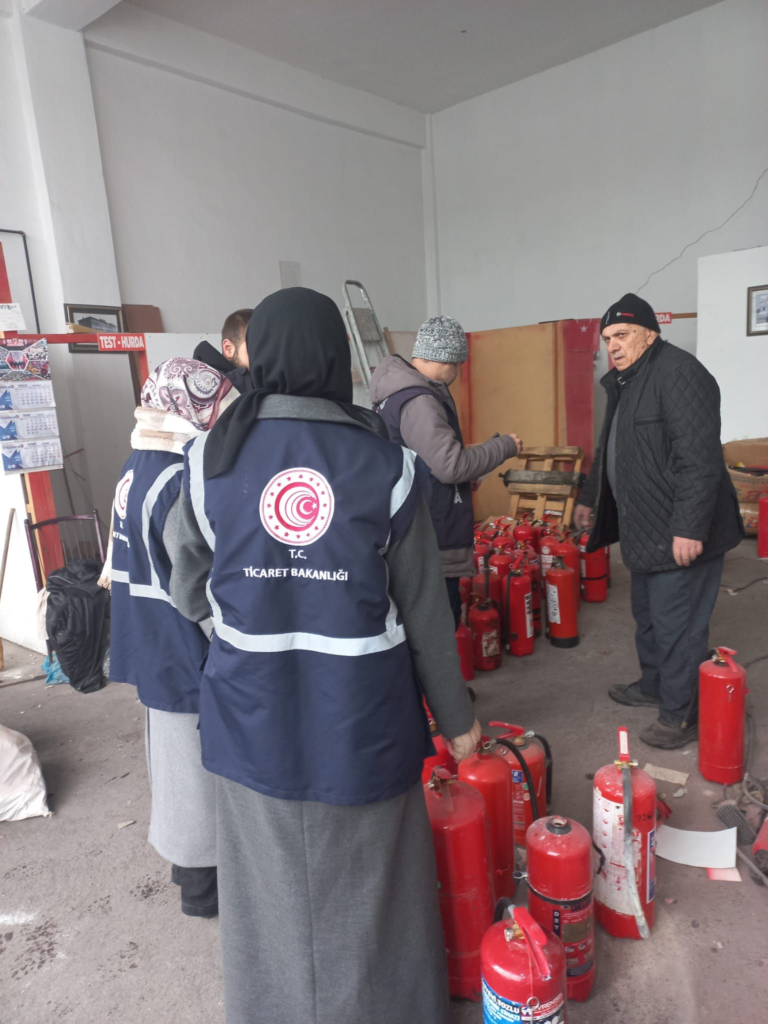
(367,341)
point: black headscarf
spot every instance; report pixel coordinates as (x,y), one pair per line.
(297,345)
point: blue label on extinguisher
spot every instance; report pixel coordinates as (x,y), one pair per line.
(498,1010)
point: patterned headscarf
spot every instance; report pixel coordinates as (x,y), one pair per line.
(186,388)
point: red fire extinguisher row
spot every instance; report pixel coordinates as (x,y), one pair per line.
(560,894)
(490,776)
(523,970)
(625,882)
(461,839)
(722,717)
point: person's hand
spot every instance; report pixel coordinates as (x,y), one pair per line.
(462,746)
(518,444)
(582,517)
(685,551)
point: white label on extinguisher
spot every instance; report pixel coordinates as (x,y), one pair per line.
(547,558)
(611,887)
(494,570)
(498,1010)
(529,615)
(553,603)
(490,644)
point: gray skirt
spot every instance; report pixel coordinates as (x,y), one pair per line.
(329,915)
(182,826)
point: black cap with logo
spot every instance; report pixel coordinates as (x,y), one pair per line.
(631,309)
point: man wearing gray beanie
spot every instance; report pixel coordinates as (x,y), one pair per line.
(414,401)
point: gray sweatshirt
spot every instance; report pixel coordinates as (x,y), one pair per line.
(425,429)
(415,583)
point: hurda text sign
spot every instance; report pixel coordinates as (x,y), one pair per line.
(121,343)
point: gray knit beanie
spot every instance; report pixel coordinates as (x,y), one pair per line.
(441,340)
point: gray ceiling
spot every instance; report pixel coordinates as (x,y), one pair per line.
(425,54)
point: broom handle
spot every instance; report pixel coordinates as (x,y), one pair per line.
(11,514)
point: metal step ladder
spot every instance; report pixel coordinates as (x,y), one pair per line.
(367,342)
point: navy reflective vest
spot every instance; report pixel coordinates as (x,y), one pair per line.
(152,645)
(309,691)
(450,505)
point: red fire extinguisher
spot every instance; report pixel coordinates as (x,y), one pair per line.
(722,716)
(560,894)
(529,758)
(518,612)
(481,553)
(460,834)
(488,586)
(487,771)
(465,590)
(594,571)
(531,566)
(568,552)
(524,530)
(442,758)
(762,527)
(625,882)
(484,624)
(523,970)
(466,653)
(562,619)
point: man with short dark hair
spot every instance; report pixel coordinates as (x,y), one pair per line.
(659,484)
(232,361)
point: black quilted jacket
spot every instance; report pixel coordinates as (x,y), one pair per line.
(670,474)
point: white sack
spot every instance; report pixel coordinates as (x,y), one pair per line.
(22,787)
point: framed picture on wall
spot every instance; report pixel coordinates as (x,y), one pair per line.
(93,320)
(757,309)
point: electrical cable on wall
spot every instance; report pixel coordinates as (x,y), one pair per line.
(709,231)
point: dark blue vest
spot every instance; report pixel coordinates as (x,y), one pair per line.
(152,645)
(450,505)
(309,691)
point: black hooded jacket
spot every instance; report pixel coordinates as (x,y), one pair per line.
(670,473)
(240,377)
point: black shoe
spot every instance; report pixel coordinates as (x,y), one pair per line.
(199,891)
(632,696)
(669,737)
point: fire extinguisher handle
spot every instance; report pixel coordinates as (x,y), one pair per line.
(537,939)
(512,730)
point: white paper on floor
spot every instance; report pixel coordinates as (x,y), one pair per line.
(697,849)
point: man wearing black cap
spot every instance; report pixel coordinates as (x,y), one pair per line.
(659,484)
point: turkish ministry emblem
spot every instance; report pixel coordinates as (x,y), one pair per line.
(121,495)
(296,506)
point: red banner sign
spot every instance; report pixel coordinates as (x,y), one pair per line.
(664,318)
(121,343)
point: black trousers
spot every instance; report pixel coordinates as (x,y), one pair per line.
(672,612)
(452,585)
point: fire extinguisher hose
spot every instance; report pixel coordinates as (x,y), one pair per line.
(526,773)
(548,762)
(629,854)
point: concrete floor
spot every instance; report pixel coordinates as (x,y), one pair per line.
(90,929)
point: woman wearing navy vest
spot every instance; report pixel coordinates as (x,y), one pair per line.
(152,645)
(303,533)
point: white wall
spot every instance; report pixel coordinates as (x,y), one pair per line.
(209,188)
(558,194)
(739,362)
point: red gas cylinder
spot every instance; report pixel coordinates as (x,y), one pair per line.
(524,531)
(500,562)
(762,527)
(518,613)
(487,771)
(523,971)
(562,618)
(466,652)
(481,553)
(441,759)
(594,571)
(529,799)
(465,589)
(568,552)
(484,624)
(722,715)
(615,907)
(560,894)
(460,834)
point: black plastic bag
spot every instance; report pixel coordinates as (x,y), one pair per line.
(77,621)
